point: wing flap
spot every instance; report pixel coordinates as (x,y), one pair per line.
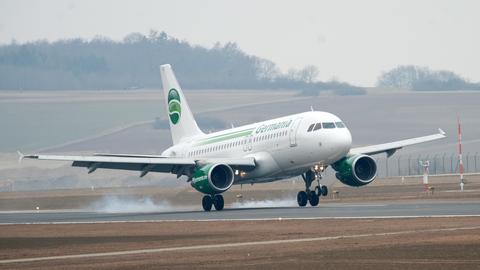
(116,159)
(92,166)
(144,163)
(127,155)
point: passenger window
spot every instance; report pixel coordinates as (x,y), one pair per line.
(328,125)
(310,128)
(340,124)
(318,126)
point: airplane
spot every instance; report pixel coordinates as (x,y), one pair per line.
(302,144)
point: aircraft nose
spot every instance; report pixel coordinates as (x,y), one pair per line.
(347,139)
(344,139)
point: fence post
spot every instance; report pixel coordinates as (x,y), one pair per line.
(398,165)
(409,164)
(386,167)
(476,153)
(443,163)
(418,165)
(466,168)
(451,163)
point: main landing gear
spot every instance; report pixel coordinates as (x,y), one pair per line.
(311,196)
(215,200)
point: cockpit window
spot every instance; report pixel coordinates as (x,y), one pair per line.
(310,128)
(340,125)
(328,125)
(317,126)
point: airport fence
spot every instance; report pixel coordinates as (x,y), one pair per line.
(445,163)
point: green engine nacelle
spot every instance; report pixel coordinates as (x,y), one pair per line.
(356,171)
(213,178)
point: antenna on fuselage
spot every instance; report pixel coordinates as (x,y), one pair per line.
(311,108)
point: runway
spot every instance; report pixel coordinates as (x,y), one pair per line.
(325,211)
(230,245)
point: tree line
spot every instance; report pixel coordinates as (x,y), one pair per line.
(424,79)
(133,63)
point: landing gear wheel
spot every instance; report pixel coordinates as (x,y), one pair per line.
(324,190)
(318,191)
(313,198)
(218,202)
(207,203)
(302,198)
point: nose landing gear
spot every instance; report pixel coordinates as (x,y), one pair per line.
(311,196)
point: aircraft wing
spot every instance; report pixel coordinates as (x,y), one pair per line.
(144,163)
(391,147)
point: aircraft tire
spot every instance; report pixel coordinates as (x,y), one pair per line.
(218,202)
(207,202)
(313,198)
(302,198)
(324,190)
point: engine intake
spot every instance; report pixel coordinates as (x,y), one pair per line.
(356,171)
(213,178)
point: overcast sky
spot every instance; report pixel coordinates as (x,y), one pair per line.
(352,41)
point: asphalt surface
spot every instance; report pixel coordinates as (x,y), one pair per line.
(331,210)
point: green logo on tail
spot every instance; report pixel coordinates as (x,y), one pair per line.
(174,108)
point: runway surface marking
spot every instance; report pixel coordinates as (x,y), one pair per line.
(228,220)
(230,245)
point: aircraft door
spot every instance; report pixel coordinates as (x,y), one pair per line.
(293,132)
(248,141)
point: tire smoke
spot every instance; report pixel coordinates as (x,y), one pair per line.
(282,202)
(117,204)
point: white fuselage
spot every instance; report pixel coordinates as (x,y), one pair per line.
(282,147)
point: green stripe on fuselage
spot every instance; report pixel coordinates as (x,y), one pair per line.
(225,137)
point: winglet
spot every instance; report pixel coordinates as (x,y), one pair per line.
(441,131)
(20,157)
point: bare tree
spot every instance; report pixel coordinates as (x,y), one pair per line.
(266,69)
(308,74)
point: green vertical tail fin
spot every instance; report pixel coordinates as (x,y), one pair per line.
(182,123)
